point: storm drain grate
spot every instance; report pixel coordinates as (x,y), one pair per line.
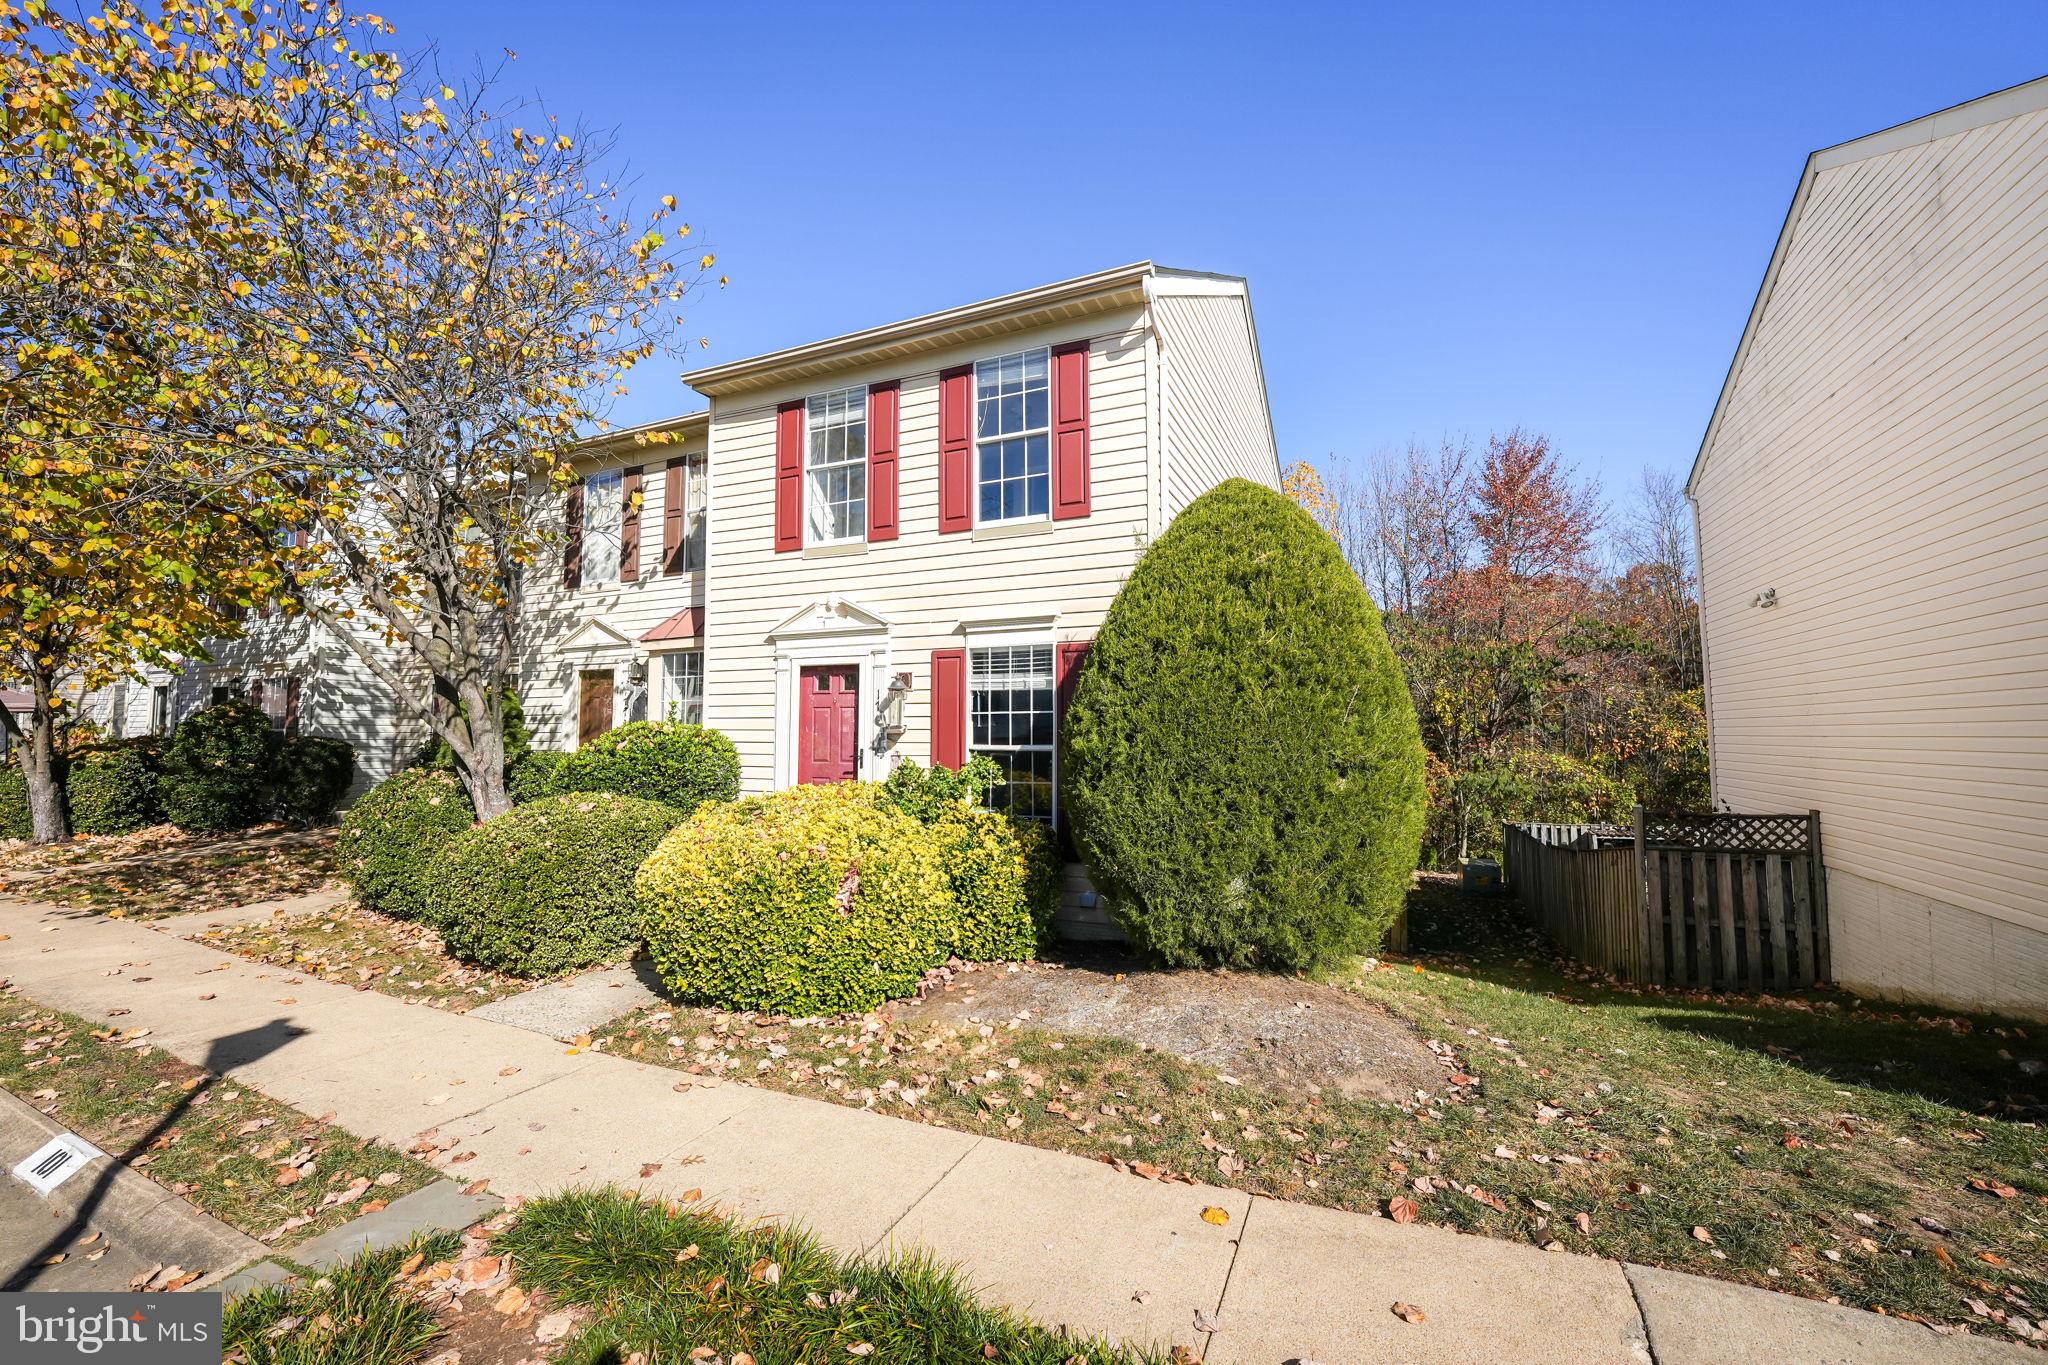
(55,1162)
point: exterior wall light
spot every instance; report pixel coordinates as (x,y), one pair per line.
(889,708)
(1767,598)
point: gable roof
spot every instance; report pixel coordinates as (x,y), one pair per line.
(1081,296)
(1993,108)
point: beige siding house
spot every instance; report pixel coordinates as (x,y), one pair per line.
(1872,508)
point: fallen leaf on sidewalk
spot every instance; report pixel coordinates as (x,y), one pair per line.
(1207,1322)
(1220,1217)
(648,1168)
(1408,1312)
(508,1071)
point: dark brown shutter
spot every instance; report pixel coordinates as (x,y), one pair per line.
(291,707)
(672,516)
(629,526)
(789,476)
(572,538)
(884,401)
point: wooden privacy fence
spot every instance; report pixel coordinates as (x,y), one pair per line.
(1719,902)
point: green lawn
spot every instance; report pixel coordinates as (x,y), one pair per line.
(358,947)
(1815,1145)
(681,1284)
(218,1143)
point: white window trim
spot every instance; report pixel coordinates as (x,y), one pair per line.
(976,442)
(586,580)
(1014,633)
(812,542)
(658,663)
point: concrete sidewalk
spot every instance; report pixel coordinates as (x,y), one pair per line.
(1064,1239)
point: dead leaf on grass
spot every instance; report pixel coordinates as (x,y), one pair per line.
(1403,1209)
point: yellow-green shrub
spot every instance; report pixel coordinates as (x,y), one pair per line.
(809,901)
(1004,877)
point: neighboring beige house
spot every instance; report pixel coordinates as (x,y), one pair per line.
(1872,508)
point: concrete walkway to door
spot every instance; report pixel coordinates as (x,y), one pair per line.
(1059,1237)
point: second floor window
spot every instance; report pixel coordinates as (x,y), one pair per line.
(1013,437)
(836,467)
(604,505)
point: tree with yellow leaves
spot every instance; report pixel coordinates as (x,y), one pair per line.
(404,299)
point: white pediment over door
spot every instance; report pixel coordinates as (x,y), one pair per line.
(596,633)
(828,617)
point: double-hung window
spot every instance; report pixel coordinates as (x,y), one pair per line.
(1013,437)
(695,486)
(604,507)
(836,467)
(1010,718)
(682,686)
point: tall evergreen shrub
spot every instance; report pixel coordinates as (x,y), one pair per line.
(1241,760)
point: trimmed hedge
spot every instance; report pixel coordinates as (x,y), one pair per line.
(313,776)
(1004,875)
(679,765)
(218,768)
(547,888)
(112,788)
(815,900)
(1241,760)
(537,775)
(390,838)
(15,821)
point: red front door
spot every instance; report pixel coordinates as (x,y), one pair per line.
(827,730)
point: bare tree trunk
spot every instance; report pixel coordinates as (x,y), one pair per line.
(37,750)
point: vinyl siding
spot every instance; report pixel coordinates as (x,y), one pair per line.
(548,667)
(1215,400)
(923,584)
(1881,460)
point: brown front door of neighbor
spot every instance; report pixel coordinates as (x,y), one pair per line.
(828,731)
(594,709)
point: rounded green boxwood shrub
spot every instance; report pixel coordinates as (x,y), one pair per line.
(389,839)
(15,821)
(112,788)
(536,775)
(1241,760)
(313,775)
(679,765)
(548,888)
(809,901)
(218,768)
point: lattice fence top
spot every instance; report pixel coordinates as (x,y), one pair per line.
(1727,832)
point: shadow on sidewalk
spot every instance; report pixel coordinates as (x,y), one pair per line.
(236,1049)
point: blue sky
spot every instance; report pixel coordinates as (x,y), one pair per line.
(1455,219)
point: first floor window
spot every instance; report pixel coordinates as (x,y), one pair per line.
(836,466)
(160,709)
(1010,718)
(682,686)
(273,696)
(1013,436)
(604,505)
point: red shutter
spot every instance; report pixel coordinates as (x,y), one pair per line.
(949,708)
(572,543)
(789,476)
(1070,430)
(1071,653)
(956,447)
(629,527)
(672,516)
(291,707)
(883,401)
(299,537)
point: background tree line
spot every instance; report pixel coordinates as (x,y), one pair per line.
(1550,639)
